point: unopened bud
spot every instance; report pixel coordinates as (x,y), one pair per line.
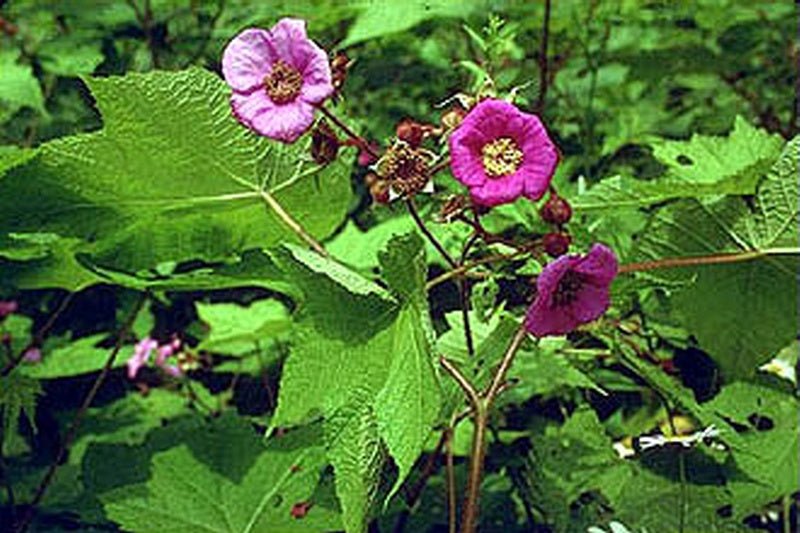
(556,244)
(556,210)
(453,117)
(7,307)
(324,144)
(380,191)
(339,67)
(411,132)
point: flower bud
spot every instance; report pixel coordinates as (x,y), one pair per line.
(339,67)
(380,191)
(556,210)
(411,132)
(556,244)
(365,158)
(452,117)
(324,144)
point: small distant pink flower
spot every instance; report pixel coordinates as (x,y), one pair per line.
(165,351)
(501,153)
(278,76)
(141,355)
(7,307)
(32,355)
(572,290)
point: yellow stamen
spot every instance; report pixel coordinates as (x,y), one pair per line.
(501,157)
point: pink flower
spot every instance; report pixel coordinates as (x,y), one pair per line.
(141,355)
(166,351)
(7,307)
(32,355)
(572,290)
(278,76)
(501,153)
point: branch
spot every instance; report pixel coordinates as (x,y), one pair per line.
(464,269)
(469,389)
(543,59)
(715,259)
(358,139)
(41,489)
(412,210)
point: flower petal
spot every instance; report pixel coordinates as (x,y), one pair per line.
(285,36)
(316,71)
(600,265)
(285,123)
(498,191)
(591,302)
(248,59)
(542,320)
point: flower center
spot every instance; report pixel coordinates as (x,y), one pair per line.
(406,168)
(283,84)
(567,289)
(501,157)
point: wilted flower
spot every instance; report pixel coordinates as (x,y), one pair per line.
(572,290)
(406,169)
(501,153)
(278,76)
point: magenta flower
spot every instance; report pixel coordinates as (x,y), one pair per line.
(141,355)
(572,290)
(278,76)
(501,153)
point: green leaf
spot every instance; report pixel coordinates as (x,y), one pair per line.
(12,156)
(80,356)
(391,16)
(171,177)
(229,484)
(741,313)
(18,86)
(342,303)
(237,330)
(703,166)
(740,158)
(376,369)
(18,396)
(768,457)
(44,261)
(354,450)
(408,405)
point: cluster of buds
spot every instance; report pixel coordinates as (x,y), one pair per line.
(557,212)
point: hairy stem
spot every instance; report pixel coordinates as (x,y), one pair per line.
(292,224)
(543,59)
(465,268)
(358,139)
(715,259)
(452,511)
(464,291)
(481,404)
(412,210)
(44,484)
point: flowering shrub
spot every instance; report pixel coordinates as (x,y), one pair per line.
(353,269)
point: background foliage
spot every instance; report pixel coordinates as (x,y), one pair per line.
(129,195)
